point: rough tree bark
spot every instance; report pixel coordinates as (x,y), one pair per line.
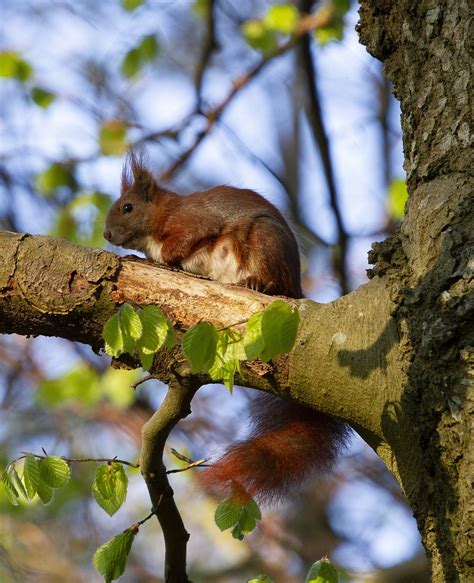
(395,357)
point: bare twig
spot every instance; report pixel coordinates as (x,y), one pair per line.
(146,378)
(320,136)
(70,460)
(305,25)
(210,44)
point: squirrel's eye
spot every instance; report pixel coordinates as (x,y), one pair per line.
(127,208)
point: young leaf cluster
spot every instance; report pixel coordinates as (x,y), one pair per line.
(241,517)
(41,477)
(219,352)
(142,333)
(264,34)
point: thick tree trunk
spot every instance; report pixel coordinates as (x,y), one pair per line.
(424,48)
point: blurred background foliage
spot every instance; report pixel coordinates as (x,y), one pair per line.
(221,91)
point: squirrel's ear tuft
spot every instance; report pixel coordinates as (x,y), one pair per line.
(137,177)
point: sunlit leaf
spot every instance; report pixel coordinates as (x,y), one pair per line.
(259,37)
(112,333)
(156,329)
(113,137)
(397,198)
(131,5)
(279,328)
(131,327)
(229,352)
(54,471)
(260,579)
(282,18)
(145,52)
(31,475)
(328,33)
(81,384)
(42,97)
(18,482)
(111,558)
(12,492)
(201,8)
(227,514)
(322,571)
(44,492)
(253,340)
(115,385)
(57,175)
(14,66)
(199,346)
(110,487)
(242,517)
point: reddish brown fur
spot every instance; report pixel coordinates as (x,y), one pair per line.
(287,442)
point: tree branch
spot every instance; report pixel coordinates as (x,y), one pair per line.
(54,288)
(176,406)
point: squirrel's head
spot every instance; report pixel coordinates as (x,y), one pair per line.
(129,219)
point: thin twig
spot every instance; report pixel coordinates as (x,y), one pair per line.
(306,24)
(317,127)
(210,44)
(146,378)
(201,463)
(79,460)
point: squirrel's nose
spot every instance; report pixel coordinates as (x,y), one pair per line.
(107,234)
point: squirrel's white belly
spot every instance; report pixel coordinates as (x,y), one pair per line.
(218,263)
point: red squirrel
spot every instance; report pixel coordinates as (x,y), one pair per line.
(234,236)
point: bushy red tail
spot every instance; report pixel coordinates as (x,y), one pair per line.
(287,444)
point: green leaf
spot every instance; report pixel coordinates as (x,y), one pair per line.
(329,33)
(253,339)
(57,175)
(227,514)
(229,352)
(12,65)
(279,328)
(31,475)
(18,482)
(199,346)
(149,48)
(132,63)
(12,492)
(131,5)
(113,336)
(115,386)
(322,571)
(113,137)
(110,487)
(260,579)
(131,327)
(397,198)
(257,35)
(157,330)
(44,492)
(78,385)
(111,558)
(242,517)
(282,18)
(145,52)
(201,8)
(42,97)
(54,471)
